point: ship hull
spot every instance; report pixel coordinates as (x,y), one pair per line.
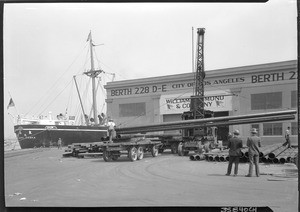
(34,136)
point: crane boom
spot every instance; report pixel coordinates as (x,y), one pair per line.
(197,101)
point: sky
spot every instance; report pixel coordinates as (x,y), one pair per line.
(45,45)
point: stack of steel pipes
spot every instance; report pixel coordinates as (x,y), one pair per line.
(273,156)
(287,155)
(219,156)
(281,155)
(197,157)
(275,153)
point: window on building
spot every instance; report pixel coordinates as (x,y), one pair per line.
(132,109)
(264,101)
(256,126)
(294,130)
(294,99)
(272,129)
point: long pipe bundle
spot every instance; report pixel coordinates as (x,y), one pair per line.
(219,121)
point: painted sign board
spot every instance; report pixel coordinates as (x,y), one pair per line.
(214,101)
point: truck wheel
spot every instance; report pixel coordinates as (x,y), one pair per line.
(180,152)
(154,151)
(106,156)
(174,148)
(140,153)
(132,154)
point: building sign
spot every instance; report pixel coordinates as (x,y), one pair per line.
(214,101)
(162,88)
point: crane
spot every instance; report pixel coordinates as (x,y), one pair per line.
(195,138)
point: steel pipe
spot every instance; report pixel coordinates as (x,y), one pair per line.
(211,158)
(200,157)
(264,159)
(283,159)
(227,120)
(275,160)
(192,157)
(222,158)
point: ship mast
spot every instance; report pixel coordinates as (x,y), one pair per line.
(93,74)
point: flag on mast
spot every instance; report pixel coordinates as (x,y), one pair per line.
(11,103)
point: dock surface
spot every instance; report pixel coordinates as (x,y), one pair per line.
(43,178)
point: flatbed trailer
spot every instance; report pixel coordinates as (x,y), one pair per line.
(81,149)
(134,150)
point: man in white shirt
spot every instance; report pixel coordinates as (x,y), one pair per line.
(111,129)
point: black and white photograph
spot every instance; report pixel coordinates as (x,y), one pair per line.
(169,105)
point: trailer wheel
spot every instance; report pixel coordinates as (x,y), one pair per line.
(180,152)
(140,153)
(174,148)
(154,151)
(106,156)
(132,153)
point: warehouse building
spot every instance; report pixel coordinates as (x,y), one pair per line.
(229,92)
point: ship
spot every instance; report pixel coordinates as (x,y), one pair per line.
(44,131)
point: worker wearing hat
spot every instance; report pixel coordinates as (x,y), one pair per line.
(253,143)
(234,144)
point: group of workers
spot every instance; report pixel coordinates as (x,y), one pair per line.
(235,146)
(102,120)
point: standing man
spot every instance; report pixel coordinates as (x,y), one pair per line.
(287,138)
(234,144)
(59,143)
(111,129)
(253,144)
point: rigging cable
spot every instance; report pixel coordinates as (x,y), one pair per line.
(55,97)
(60,77)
